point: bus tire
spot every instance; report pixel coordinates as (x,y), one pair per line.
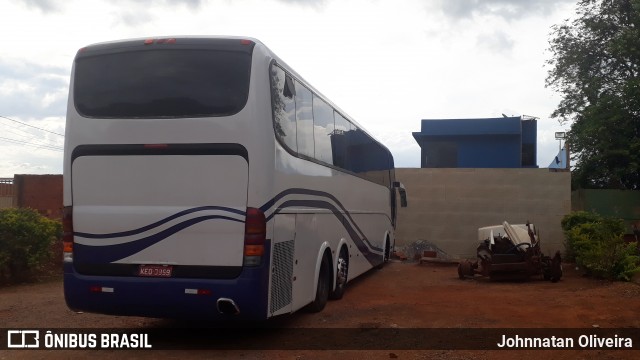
(386,255)
(323,289)
(342,275)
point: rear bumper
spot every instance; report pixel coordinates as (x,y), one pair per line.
(169,297)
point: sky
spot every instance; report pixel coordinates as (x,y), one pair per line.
(386,63)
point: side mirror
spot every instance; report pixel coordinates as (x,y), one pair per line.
(403,193)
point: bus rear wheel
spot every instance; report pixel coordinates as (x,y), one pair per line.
(342,274)
(323,289)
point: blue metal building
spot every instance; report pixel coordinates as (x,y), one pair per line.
(507,142)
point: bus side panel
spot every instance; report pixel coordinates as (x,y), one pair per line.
(374,227)
(281,277)
(312,231)
(305,186)
(308,240)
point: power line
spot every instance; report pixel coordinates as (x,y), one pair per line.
(26,143)
(35,127)
(30,138)
(27,138)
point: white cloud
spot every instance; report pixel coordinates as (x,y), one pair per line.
(31,89)
(41,5)
(507,9)
(497,41)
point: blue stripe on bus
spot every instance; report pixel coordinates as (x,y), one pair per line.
(157,223)
(115,252)
(284,193)
(121,251)
(360,243)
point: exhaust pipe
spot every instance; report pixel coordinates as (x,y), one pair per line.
(227,306)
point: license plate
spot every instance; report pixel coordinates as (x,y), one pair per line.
(155,270)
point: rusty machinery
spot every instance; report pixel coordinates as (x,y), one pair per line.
(512,254)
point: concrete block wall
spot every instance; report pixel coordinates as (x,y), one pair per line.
(447,206)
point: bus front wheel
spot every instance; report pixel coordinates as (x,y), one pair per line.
(386,255)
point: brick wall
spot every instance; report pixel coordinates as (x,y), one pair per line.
(6,193)
(40,192)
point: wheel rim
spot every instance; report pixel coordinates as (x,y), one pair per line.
(387,251)
(342,270)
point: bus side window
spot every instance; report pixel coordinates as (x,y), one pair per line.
(284,107)
(304,118)
(322,129)
(339,141)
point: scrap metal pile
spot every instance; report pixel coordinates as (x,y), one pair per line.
(511,252)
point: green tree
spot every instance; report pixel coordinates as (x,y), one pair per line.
(595,66)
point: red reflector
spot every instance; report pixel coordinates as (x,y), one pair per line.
(166,41)
(67,218)
(149,41)
(67,228)
(253,250)
(156,146)
(246,42)
(204,292)
(95,289)
(255,234)
(255,222)
(255,227)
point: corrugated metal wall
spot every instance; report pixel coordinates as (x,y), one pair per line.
(623,204)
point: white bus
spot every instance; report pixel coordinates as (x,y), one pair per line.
(204,178)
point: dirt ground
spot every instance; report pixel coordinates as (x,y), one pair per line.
(402,295)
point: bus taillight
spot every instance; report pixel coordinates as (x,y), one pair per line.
(255,233)
(160,41)
(67,234)
(156,146)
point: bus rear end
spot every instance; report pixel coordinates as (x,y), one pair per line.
(156,178)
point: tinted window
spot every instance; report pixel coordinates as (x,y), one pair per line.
(322,130)
(339,141)
(284,107)
(358,145)
(367,157)
(324,134)
(304,117)
(162,83)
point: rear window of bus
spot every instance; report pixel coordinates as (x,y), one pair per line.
(162,83)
